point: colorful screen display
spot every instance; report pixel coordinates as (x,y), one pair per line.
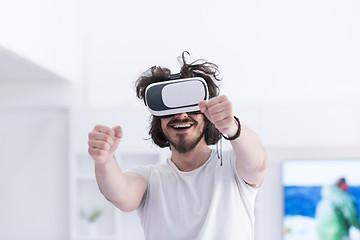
(321,199)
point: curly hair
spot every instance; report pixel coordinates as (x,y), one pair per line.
(199,68)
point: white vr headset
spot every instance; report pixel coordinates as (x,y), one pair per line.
(176,96)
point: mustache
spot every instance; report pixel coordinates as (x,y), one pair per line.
(186,120)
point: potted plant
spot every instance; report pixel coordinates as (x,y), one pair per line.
(91,219)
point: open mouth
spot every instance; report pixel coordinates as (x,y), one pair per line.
(182,126)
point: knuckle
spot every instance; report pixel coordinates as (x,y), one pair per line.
(228,104)
(97,127)
(102,145)
(109,140)
(91,134)
(223,97)
(90,142)
(90,151)
(109,131)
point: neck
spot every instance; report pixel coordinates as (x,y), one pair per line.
(192,160)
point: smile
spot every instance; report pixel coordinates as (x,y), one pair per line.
(182,126)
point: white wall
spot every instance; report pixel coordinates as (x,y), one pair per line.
(266,51)
(48,33)
(33,174)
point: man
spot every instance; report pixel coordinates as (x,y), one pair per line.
(336,212)
(192,195)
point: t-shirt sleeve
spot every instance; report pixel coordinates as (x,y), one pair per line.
(246,187)
(143,170)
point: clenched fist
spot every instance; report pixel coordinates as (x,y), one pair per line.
(219,111)
(103,141)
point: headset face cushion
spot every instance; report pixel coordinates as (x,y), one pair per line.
(175,96)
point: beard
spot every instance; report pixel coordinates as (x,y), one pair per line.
(182,145)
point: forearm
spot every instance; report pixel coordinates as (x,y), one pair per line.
(251,160)
(251,157)
(124,190)
(111,180)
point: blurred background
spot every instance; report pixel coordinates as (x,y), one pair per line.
(291,69)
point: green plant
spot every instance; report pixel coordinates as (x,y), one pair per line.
(93,216)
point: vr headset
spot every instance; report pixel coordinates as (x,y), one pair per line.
(167,98)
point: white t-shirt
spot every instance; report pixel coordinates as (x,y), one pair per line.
(210,202)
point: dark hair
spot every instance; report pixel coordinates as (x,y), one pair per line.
(199,68)
(339,182)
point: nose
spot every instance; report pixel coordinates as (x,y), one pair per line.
(181,115)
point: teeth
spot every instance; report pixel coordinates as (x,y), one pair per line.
(182,126)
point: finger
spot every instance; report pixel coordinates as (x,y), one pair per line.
(219,105)
(204,109)
(217,100)
(215,109)
(97,153)
(224,123)
(220,112)
(118,131)
(99,145)
(203,106)
(219,117)
(101,137)
(105,130)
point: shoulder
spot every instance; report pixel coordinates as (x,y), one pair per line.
(148,170)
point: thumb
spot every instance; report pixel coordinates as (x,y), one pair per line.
(118,132)
(203,106)
(118,135)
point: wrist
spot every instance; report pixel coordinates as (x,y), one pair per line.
(237,133)
(105,161)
